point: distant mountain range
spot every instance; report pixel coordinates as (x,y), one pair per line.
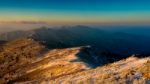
(120,43)
(73,54)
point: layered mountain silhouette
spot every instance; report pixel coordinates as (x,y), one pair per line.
(54,55)
(73,36)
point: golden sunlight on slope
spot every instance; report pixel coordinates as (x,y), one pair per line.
(28,60)
(16,54)
(131,70)
(55,63)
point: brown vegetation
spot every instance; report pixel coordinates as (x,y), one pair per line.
(17,54)
(27,61)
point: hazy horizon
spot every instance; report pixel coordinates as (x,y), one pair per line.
(73,12)
(32,14)
(131,29)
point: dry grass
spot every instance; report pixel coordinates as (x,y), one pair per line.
(131,70)
(24,61)
(145,70)
(16,54)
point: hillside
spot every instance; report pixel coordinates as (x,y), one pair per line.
(7,36)
(120,43)
(27,61)
(127,71)
(16,54)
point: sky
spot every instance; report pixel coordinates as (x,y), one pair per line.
(75,11)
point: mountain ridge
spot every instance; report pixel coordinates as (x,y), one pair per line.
(21,63)
(50,55)
(73,36)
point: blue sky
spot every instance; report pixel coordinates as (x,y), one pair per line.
(76,11)
(70,5)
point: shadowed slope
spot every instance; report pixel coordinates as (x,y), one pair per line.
(27,61)
(102,44)
(74,36)
(131,70)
